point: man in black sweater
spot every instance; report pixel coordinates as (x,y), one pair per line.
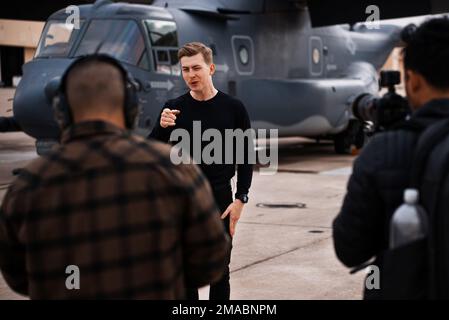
(199,110)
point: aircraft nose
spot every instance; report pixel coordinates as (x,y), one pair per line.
(33,107)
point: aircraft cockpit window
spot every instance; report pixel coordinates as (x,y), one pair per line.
(121,39)
(164,41)
(162,56)
(162,33)
(57,39)
(143,63)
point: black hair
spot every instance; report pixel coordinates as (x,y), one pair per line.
(427,52)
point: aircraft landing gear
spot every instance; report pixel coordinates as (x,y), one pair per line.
(352,136)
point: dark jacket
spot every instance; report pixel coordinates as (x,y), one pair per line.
(114,205)
(375,190)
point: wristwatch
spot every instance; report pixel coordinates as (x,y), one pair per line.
(242,197)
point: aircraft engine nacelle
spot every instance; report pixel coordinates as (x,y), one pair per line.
(307,107)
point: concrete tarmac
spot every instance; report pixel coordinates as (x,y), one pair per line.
(279,252)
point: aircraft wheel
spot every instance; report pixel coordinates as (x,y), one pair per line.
(352,136)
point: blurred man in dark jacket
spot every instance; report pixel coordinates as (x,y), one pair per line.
(381,172)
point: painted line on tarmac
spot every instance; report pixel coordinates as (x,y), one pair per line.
(11,157)
(346,171)
(280,254)
(298,171)
(284,225)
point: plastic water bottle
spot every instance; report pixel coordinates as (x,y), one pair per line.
(409,221)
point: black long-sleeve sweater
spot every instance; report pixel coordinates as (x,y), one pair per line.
(220,112)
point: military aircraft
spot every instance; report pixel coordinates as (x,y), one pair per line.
(290,76)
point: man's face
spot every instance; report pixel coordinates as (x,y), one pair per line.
(196,72)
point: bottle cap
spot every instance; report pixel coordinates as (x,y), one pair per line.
(411,196)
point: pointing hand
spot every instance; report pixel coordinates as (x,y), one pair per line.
(168,117)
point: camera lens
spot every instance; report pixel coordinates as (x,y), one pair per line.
(364,107)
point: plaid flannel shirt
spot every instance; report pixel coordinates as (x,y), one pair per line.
(113,205)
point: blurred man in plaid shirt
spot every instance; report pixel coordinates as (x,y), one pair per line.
(109,203)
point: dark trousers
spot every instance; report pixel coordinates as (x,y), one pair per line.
(220,290)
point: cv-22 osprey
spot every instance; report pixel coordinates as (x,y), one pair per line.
(290,76)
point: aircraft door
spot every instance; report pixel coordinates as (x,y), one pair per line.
(316,56)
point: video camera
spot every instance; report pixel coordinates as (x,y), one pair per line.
(382,114)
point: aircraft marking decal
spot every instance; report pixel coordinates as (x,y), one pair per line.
(167,85)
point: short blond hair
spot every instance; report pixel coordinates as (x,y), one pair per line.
(193,48)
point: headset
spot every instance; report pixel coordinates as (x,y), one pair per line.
(63,113)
